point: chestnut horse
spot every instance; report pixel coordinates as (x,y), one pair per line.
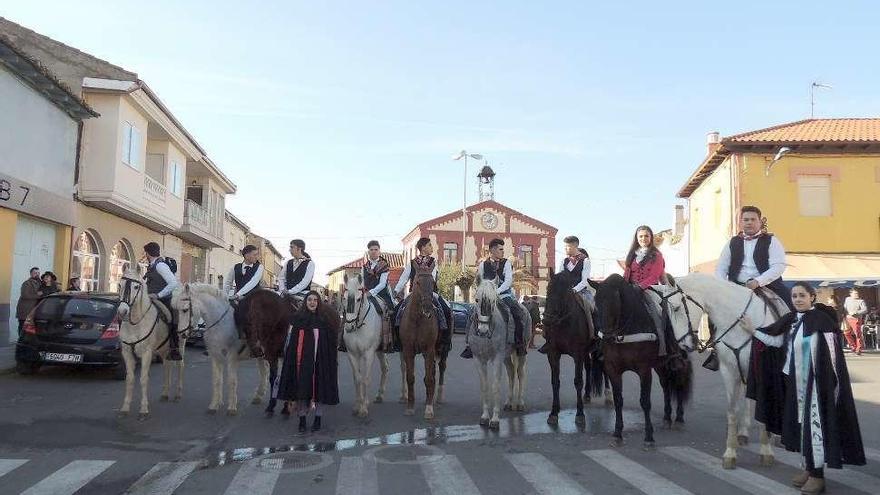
(419,334)
(270,316)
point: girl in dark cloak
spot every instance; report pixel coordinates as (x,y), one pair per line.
(802,390)
(308,375)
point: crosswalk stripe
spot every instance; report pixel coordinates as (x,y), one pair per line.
(743,478)
(7,465)
(69,479)
(872,454)
(163,478)
(849,477)
(357,476)
(257,477)
(446,476)
(634,473)
(544,476)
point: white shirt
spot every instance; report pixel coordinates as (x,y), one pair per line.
(749,269)
(404,277)
(383,279)
(248,287)
(508,276)
(567,265)
(854,307)
(171,282)
(304,283)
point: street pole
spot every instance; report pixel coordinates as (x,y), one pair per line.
(464,215)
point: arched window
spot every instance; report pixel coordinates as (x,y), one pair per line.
(120,260)
(86,260)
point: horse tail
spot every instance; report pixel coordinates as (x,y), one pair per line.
(680,372)
(597,373)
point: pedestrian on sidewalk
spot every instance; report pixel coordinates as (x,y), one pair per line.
(309,373)
(73,284)
(856,309)
(30,295)
(802,390)
(48,285)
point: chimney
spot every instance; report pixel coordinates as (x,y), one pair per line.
(713,141)
(680,221)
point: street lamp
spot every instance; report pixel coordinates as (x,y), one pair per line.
(476,156)
(779,154)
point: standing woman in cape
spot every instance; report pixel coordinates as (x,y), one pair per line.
(309,374)
(802,390)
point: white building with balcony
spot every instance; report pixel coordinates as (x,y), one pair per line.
(140,177)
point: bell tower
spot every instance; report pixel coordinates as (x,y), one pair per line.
(487,183)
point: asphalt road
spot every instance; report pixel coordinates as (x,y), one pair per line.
(59,433)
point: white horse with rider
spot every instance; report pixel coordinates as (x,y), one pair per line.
(144,331)
(731,308)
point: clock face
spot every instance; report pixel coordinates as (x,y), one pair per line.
(490,221)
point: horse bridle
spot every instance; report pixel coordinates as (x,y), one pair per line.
(664,305)
(127,299)
(186,331)
(349,328)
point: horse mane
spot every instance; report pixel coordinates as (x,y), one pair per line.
(634,315)
(197,289)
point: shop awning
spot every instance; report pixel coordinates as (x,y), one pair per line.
(834,270)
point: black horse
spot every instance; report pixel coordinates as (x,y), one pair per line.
(569,330)
(626,325)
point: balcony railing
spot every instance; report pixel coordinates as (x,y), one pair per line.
(154,191)
(196,215)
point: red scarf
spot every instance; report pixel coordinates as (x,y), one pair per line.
(576,258)
(751,237)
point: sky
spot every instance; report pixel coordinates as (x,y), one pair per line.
(338,120)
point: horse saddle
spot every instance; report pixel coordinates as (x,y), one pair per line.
(164,312)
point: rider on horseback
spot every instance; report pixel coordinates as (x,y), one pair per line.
(645,267)
(161,282)
(243,280)
(576,267)
(423,262)
(375,273)
(498,268)
(296,278)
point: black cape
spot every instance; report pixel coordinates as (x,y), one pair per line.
(315,378)
(775,394)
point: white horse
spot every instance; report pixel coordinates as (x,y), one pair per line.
(362,334)
(205,302)
(488,339)
(728,306)
(142,333)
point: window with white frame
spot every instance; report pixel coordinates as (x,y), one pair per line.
(86,261)
(131,145)
(814,195)
(120,260)
(176,172)
(525,256)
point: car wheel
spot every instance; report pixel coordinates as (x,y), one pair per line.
(26,367)
(119,371)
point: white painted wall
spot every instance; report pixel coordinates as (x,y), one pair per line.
(37,139)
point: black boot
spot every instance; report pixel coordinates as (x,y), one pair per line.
(302,424)
(316,425)
(397,347)
(466,353)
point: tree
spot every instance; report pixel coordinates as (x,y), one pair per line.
(447,278)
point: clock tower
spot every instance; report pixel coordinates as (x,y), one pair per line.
(487,183)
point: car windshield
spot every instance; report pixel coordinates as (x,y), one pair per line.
(75,308)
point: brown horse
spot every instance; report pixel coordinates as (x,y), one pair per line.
(270,316)
(569,331)
(419,332)
(630,344)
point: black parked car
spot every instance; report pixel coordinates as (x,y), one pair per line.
(460,313)
(72,329)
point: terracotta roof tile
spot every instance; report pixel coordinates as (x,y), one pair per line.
(815,131)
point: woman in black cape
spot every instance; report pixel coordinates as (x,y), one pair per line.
(309,375)
(802,390)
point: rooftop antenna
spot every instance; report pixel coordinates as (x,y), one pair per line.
(813,87)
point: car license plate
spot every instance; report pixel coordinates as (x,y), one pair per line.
(62,358)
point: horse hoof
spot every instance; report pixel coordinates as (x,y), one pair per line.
(355,411)
(609,401)
(520,407)
(256,401)
(667,424)
(143,416)
(508,407)
(232,412)
(678,425)
(553,420)
(269,414)
(401,400)
(742,440)
(484,422)
(177,398)
(580,420)
(616,442)
(429,413)
(409,412)
(729,463)
(363,413)
(122,414)
(378,400)
(212,411)
(767,460)
(163,398)
(649,446)
(494,425)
